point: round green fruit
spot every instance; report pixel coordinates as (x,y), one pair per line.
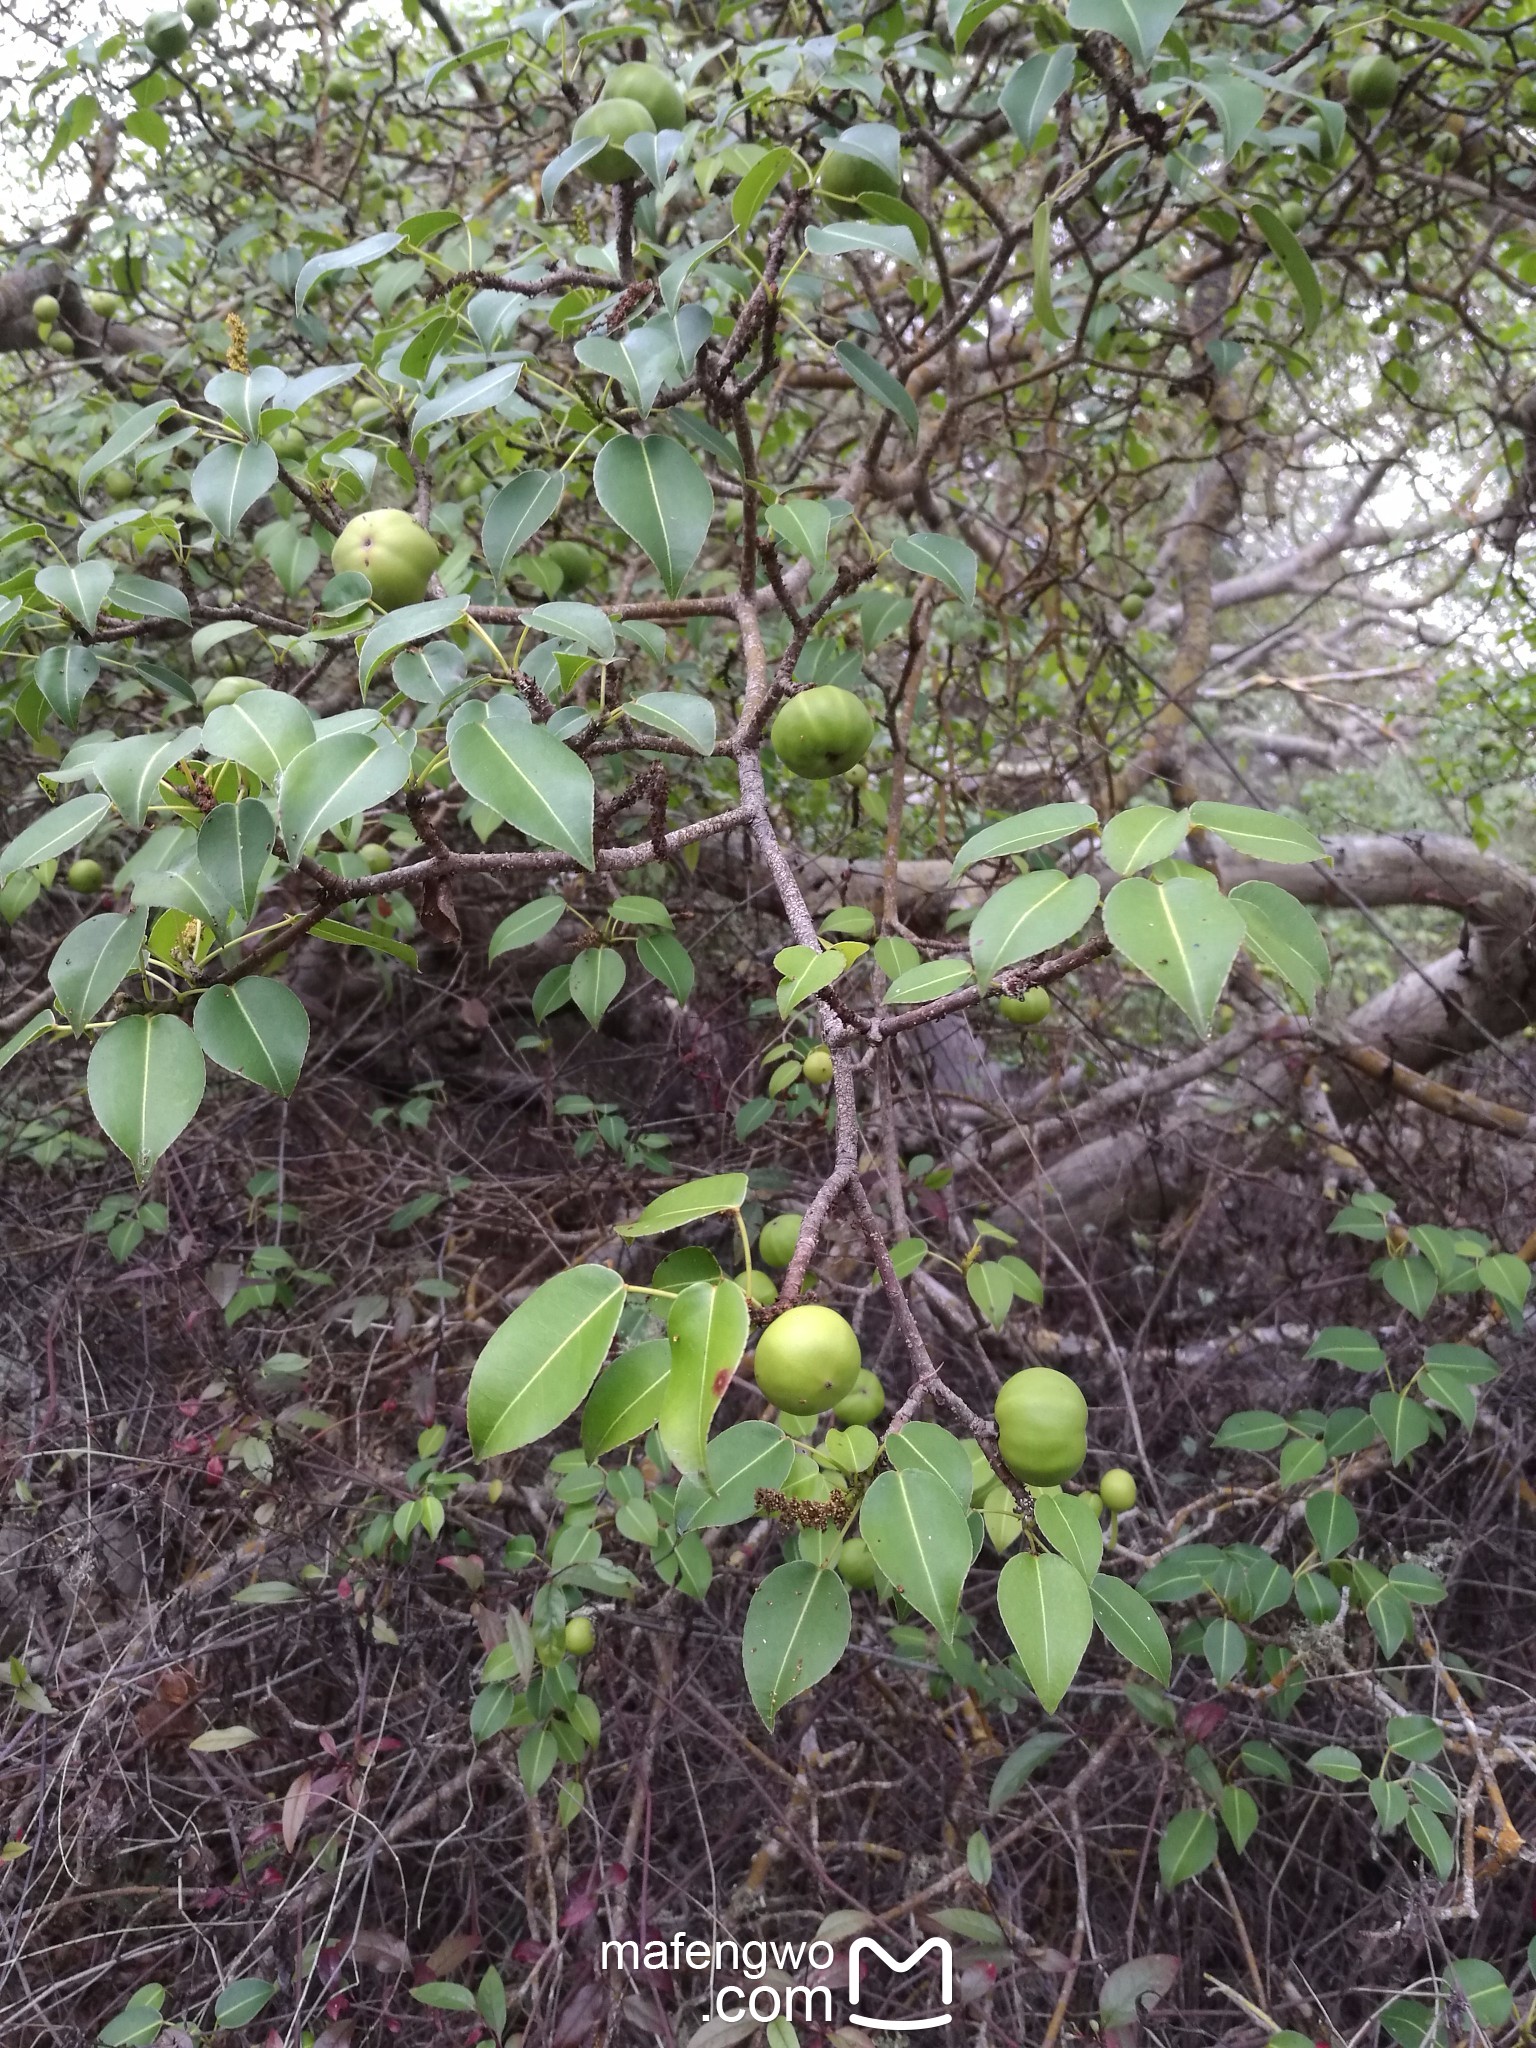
(858,775)
(289,445)
(106,305)
(778,1237)
(376,857)
(62,344)
(1117,1490)
(614,120)
(822,732)
(757,1288)
(1030,1008)
(45,307)
(845,177)
(85,877)
(1042,1422)
(856,1564)
(1132,606)
(652,88)
(1094,1501)
(807,1360)
(396,555)
(580,1636)
(817,1067)
(575,563)
(341,85)
(227,689)
(167,36)
(1294,214)
(864,1401)
(202,13)
(1373,83)
(117,484)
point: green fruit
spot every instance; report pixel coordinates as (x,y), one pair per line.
(856,1565)
(575,563)
(289,445)
(863,1402)
(106,305)
(761,1288)
(580,1635)
(118,484)
(1042,1422)
(822,732)
(615,120)
(62,344)
(1132,606)
(368,411)
(858,775)
(202,13)
(341,85)
(1144,586)
(1094,1501)
(227,689)
(817,1067)
(777,1239)
(167,36)
(85,876)
(376,857)
(45,307)
(1029,1008)
(807,1360)
(44,329)
(1373,83)
(649,87)
(396,555)
(1117,1490)
(983,1478)
(1294,214)
(845,177)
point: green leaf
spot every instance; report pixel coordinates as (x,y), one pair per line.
(597,977)
(539,1365)
(466,395)
(359,935)
(990,1288)
(1282,935)
(939,555)
(933,978)
(338,776)
(1297,265)
(263,731)
(239,2003)
(678,713)
(1332,1524)
(1431,1840)
(1251,1429)
(640,360)
(1188,1846)
(1449,32)
(1142,836)
(740,1460)
(653,488)
(796,1629)
(1344,1345)
(30,1032)
(65,675)
(145,597)
(1047,1611)
(256,1028)
(919,1535)
(1506,1277)
(1403,1421)
(136,428)
(627,1398)
(525,775)
(1414,1736)
(1182,935)
(1029,98)
(1069,1524)
(145,1080)
(748,198)
(804,525)
(876,382)
(586,625)
(1016,1770)
(925,1447)
(398,629)
(516,513)
(1044,306)
(1260,834)
(91,962)
(1239,1815)
(443,1997)
(707,1331)
(229,480)
(1022,833)
(665,956)
(130,770)
(1129,1622)
(525,927)
(234,843)
(1410,1281)
(1225,1648)
(55,832)
(353,257)
(1488,1998)
(80,587)
(1028,917)
(715,1195)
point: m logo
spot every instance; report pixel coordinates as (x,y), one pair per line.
(866,1944)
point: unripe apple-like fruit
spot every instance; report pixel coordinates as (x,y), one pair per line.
(778,1237)
(615,120)
(757,1287)
(85,877)
(1373,82)
(1294,214)
(1117,1490)
(856,1564)
(167,36)
(575,563)
(117,484)
(864,1400)
(1030,1008)
(822,732)
(807,1360)
(1042,1422)
(227,689)
(45,307)
(845,177)
(341,85)
(1132,606)
(396,555)
(652,88)
(376,857)
(289,445)
(817,1067)
(202,13)
(580,1635)
(62,344)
